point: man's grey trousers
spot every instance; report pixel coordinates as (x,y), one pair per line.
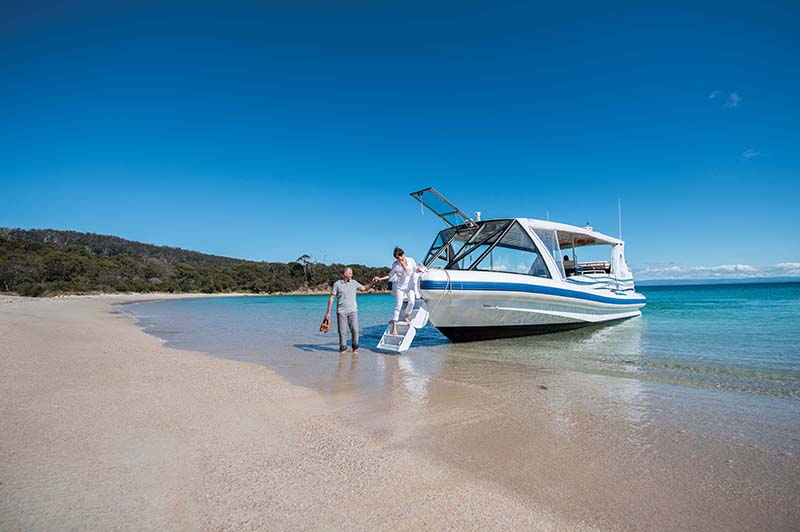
(347,320)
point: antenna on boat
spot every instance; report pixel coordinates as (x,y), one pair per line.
(548,215)
(619,216)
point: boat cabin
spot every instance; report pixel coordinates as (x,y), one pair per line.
(521,245)
(524,246)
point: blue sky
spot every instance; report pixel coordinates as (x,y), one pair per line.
(266,130)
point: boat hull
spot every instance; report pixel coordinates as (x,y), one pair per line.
(469,306)
(477,333)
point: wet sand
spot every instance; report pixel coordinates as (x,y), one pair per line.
(613,453)
(102,427)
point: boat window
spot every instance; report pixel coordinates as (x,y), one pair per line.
(449,243)
(594,260)
(550,241)
(479,243)
(514,253)
(470,258)
(441,260)
(442,239)
(466,238)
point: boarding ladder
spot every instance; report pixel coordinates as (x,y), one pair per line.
(406,330)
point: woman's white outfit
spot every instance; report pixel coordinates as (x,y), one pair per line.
(404,285)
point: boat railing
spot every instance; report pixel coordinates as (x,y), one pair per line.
(584,268)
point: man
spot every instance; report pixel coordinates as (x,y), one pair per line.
(344,290)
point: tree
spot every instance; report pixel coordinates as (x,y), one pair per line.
(305,260)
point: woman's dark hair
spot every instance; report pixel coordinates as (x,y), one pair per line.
(398,252)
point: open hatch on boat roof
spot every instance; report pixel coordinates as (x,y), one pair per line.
(438,204)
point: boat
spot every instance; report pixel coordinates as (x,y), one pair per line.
(509,277)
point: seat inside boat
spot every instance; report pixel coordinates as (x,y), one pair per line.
(583,255)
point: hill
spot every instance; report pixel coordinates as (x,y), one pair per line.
(109,246)
(47,261)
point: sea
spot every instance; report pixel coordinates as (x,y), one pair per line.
(742,338)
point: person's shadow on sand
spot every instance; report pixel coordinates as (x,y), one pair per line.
(370,336)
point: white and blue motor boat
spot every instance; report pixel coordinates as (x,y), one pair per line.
(510,277)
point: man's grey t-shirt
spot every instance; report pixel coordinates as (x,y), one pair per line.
(345,296)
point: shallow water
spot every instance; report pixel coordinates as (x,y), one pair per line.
(742,338)
(721,360)
(695,405)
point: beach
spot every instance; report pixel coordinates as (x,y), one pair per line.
(103,427)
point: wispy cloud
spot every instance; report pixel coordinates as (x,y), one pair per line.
(724,271)
(750,153)
(733,100)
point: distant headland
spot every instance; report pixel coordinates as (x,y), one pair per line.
(44,262)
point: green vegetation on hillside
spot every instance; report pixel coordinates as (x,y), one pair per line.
(45,262)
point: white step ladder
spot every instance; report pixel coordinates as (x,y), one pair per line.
(406,330)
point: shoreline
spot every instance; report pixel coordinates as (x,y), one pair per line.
(180,295)
(646,283)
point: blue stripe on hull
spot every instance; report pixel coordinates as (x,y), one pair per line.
(529,288)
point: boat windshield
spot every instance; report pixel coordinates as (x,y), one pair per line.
(454,245)
(495,245)
(515,252)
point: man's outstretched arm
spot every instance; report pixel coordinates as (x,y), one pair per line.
(330,303)
(365,287)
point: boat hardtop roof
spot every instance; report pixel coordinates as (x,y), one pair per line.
(583,236)
(568,235)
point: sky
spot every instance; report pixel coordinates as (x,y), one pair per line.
(267,130)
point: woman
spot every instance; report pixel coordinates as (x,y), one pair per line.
(404,285)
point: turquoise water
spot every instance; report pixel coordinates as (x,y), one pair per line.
(740,338)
